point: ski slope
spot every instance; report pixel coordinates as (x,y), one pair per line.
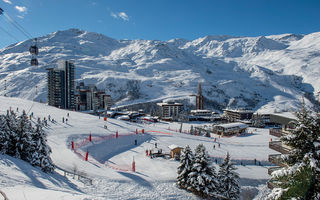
(110,159)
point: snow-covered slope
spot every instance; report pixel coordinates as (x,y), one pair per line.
(253,72)
(110,159)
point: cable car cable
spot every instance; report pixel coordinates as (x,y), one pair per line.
(18,26)
(8,33)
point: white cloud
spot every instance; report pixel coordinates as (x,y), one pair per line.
(7,1)
(123,16)
(120,15)
(21,9)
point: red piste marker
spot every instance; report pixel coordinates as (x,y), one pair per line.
(133,166)
(117,135)
(87,155)
(90,138)
(72,145)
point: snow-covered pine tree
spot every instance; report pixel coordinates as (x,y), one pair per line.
(10,127)
(40,151)
(203,178)
(23,138)
(228,180)
(4,136)
(186,162)
(300,180)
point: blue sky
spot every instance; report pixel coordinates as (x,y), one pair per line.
(161,19)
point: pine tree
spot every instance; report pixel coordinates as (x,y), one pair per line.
(203,178)
(228,180)
(301,179)
(186,162)
(23,138)
(40,151)
(4,136)
(10,127)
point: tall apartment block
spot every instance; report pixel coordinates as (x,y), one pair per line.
(61,85)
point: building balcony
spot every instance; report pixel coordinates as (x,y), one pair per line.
(278,146)
(277,132)
(272,169)
(277,160)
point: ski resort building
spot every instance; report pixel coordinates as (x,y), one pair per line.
(237,115)
(61,85)
(229,129)
(170,110)
(88,97)
(203,115)
(287,121)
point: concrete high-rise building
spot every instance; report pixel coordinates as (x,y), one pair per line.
(61,85)
(89,97)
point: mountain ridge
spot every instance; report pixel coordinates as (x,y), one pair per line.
(260,73)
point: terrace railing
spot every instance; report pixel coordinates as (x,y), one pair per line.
(277,160)
(272,169)
(278,146)
(276,132)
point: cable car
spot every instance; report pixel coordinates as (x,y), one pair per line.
(34,62)
(34,50)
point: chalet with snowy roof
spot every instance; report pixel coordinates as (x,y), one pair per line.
(175,150)
(229,129)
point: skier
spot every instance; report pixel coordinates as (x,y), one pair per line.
(67,114)
(62,119)
(155,145)
(135,142)
(66,120)
(49,117)
(219,145)
(214,146)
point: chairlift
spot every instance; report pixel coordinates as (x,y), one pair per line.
(34,62)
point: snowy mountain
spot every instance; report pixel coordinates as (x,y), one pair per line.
(260,73)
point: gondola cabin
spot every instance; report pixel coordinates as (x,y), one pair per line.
(34,62)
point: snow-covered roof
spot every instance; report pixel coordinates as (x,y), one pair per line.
(289,115)
(170,104)
(231,125)
(173,146)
